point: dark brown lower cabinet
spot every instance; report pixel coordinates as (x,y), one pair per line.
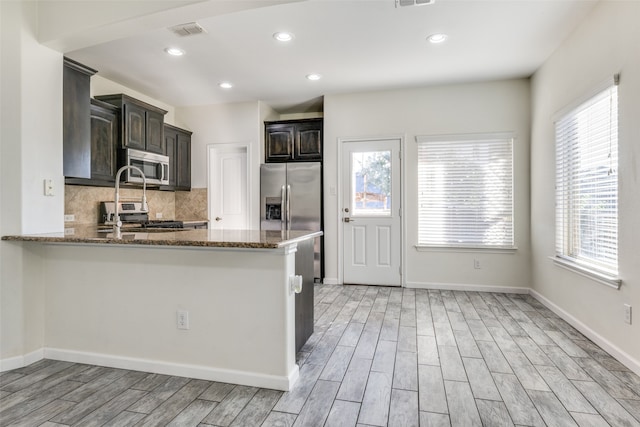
(304,300)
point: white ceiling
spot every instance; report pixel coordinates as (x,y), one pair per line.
(361,45)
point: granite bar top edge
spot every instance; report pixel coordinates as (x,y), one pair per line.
(191,238)
(146,242)
(311,235)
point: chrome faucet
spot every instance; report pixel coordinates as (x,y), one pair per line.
(145,208)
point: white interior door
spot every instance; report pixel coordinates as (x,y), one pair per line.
(228,187)
(371,212)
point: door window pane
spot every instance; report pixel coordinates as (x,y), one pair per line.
(371,183)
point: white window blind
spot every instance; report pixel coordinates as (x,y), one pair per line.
(465,186)
(587,183)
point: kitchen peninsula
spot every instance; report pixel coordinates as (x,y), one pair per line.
(116,302)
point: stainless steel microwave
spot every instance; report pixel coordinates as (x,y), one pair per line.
(154,166)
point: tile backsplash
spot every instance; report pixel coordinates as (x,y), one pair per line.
(83,202)
(192,204)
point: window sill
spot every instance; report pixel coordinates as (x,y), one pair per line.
(597,276)
(484,249)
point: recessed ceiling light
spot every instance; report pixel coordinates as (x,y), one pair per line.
(174,51)
(314,76)
(283,36)
(225,85)
(437,38)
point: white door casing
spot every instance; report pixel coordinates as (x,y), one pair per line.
(229,205)
(371,202)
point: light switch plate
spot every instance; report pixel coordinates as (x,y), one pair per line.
(182,319)
(48,187)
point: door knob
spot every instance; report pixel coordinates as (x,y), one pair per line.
(218,218)
(347,220)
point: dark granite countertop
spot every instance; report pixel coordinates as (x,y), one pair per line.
(247,239)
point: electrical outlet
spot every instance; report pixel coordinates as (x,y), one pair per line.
(158,215)
(69,218)
(182,319)
(476,264)
(627,313)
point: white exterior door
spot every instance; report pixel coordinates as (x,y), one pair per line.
(228,187)
(371,212)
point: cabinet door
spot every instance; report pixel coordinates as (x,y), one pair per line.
(155,138)
(308,141)
(135,127)
(279,142)
(183,163)
(170,146)
(75,128)
(104,140)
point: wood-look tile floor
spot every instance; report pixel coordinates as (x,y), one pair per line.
(379,356)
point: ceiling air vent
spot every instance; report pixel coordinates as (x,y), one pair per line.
(413,2)
(189,29)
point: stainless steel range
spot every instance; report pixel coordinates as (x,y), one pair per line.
(132,213)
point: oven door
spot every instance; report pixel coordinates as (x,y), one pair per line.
(154,166)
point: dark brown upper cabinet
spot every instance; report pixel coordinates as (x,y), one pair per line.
(170,136)
(178,143)
(135,122)
(142,124)
(293,141)
(104,141)
(155,135)
(76,127)
(183,161)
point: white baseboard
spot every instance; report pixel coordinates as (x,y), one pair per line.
(331,281)
(467,287)
(21,361)
(275,382)
(605,344)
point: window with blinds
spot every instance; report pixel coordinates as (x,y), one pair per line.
(465,186)
(587,183)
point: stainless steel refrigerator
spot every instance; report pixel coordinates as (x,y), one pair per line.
(291,199)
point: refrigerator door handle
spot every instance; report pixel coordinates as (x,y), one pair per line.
(288,207)
(283,201)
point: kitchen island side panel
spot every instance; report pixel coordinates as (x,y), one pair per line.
(116,305)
